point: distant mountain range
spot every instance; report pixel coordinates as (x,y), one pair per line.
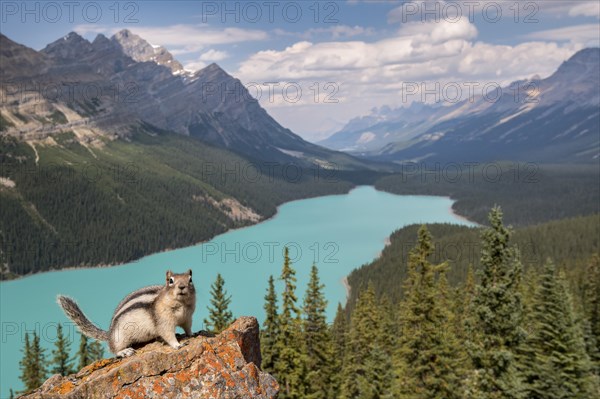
(556,119)
(107,87)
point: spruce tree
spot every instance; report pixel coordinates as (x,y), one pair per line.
(338,343)
(318,351)
(366,358)
(96,351)
(219,315)
(289,367)
(338,331)
(26,366)
(428,357)
(591,312)
(83,354)
(60,355)
(556,364)
(270,329)
(463,308)
(497,316)
(33,364)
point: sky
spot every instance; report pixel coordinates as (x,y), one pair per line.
(314,65)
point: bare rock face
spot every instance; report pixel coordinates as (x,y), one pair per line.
(141,51)
(224,367)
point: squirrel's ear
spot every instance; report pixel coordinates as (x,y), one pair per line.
(190,272)
(169,275)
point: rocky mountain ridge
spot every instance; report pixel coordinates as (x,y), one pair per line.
(556,119)
(107,87)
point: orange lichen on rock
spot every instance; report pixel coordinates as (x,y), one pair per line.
(206,367)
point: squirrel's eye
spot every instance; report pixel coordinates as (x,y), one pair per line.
(171,281)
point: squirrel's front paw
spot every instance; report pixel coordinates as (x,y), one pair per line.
(175,345)
(126,352)
(179,345)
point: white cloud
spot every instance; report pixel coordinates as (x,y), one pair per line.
(587,9)
(214,55)
(369,74)
(205,58)
(333,32)
(181,38)
(588,34)
(195,65)
(414,43)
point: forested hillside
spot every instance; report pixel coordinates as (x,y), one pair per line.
(66,204)
(529,193)
(569,243)
(503,331)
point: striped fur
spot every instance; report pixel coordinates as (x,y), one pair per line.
(145,295)
(146,314)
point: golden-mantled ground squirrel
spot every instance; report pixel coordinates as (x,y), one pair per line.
(144,315)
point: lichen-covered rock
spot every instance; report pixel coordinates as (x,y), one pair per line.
(221,367)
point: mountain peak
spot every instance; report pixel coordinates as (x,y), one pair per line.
(587,55)
(140,50)
(18,60)
(73,36)
(583,66)
(71,46)
(123,33)
(213,71)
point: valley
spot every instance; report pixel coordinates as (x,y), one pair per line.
(436,245)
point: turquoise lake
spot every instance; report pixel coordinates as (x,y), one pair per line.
(339,233)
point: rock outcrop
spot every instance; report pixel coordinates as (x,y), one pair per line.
(221,367)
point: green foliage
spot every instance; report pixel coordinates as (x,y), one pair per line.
(428,354)
(568,242)
(434,341)
(552,192)
(367,367)
(289,367)
(83,353)
(556,364)
(60,354)
(498,314)
(590,293)
(5,123)
(317,348)
(58,117)
(338,342)
(219,315)
(96,351)
(33,364)
(84,206)
(270,331)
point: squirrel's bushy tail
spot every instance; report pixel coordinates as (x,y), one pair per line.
(85,325)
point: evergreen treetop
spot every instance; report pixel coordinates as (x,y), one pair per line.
(60,355)
(220,317)
(498,315)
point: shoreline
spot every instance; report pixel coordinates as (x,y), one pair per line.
(387,240)
(459,216)
(105,266)
(347,287)
(272,217)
